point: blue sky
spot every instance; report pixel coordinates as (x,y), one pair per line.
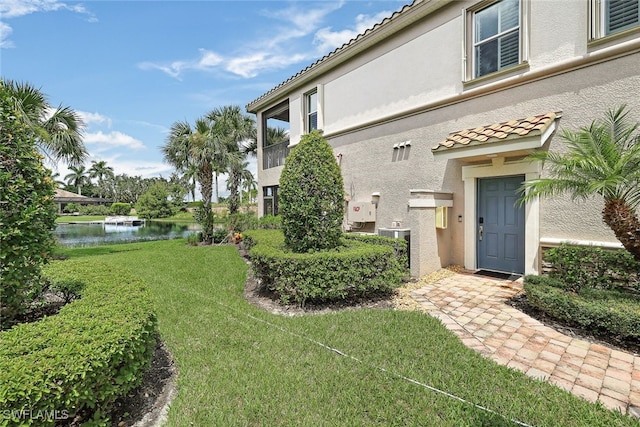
(133,68)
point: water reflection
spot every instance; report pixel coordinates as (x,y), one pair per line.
(98,234)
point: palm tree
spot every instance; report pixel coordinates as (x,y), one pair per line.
(196,147)
(77,177)
(248,182)
(100,170)
(58,131)
(275,135)
(233,128)
(603,159)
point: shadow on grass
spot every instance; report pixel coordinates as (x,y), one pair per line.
(66,253)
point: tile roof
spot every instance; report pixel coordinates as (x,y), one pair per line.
(531,126)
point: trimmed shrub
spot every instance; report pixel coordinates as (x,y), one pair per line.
(27,213)
(81,360)
(611,312)
(353,270)
(399,245)
(120,208)
(311,196)
(593,267)
(97,210)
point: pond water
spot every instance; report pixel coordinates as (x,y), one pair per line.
(91,234)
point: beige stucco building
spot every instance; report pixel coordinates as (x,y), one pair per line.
(431,112)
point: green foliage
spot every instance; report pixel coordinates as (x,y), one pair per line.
(311,196)
(399,245)
(593,267)
(238,222)
(270,222)
(97,210)
(82,359)
(71,208)
(221,235)
(204,216)
(353,270)
(194,239)
(120,208)
(154,203)
(27,212)
(610,312)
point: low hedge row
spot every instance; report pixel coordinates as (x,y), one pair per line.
(355,269)
(613,312)
(81,360)
(593,267)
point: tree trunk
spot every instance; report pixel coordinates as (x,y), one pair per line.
(205,177)
(622,219)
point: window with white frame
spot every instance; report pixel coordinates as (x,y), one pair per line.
(614,16)
(311,109)
(496,36)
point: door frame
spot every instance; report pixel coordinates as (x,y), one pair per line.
(498,168)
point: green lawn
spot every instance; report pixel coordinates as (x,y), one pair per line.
(79,218)
(239,365)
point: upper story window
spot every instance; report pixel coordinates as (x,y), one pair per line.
(311,111)
(613,17)
(496,30)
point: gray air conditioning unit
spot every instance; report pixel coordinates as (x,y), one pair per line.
(398,233)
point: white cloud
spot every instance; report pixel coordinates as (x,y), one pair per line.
(16,8)
(5,32)
(327,40)
(104,141)
(208,61)
(90,118)
(251,65)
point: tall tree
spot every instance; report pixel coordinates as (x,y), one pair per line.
(198,147)
(78,177)
(234,129)
(100,171)
(248,182)
(603,159)
(58,131)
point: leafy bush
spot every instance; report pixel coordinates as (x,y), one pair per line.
(194,239)
(67,289)
(612,312)
(98,210)
(399,245)
(27,213)
(120,208)
(354,269)
(71,208)
(81,360)
(270,222)
(593,267)
(311,196)
(238,222)
(220,235)
(154,203)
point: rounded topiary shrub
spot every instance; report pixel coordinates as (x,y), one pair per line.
(311,197)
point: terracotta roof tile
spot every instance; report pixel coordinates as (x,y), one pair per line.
(530,126)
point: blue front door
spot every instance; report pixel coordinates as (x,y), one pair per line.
(500,225)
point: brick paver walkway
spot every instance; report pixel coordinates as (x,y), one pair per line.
(474,308)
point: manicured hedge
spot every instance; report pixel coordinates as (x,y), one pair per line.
(593,267)
(355,269)
(613,312)
(85,357)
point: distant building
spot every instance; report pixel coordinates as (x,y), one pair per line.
(63,198)
(431,112)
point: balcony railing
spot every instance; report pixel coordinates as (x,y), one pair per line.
(274,155)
